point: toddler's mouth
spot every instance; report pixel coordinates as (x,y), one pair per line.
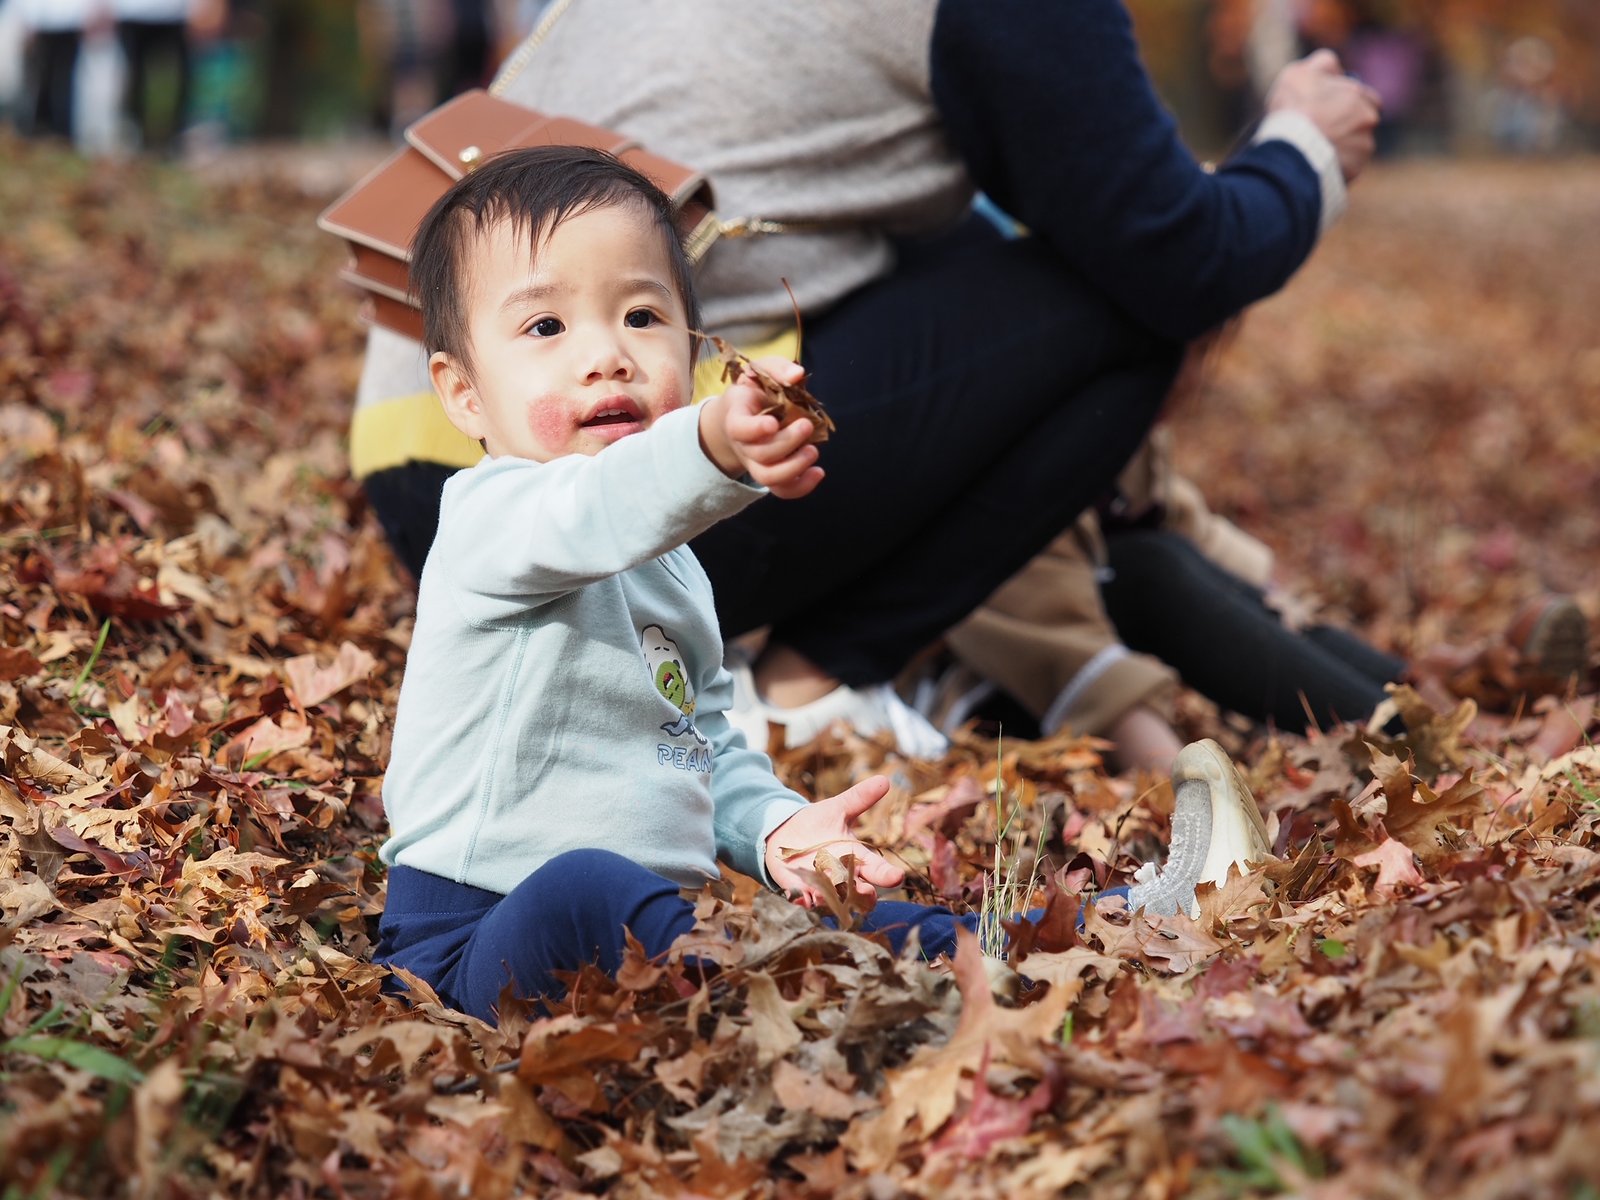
(614,410)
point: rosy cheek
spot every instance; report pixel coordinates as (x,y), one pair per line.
(671,398)
(549,421)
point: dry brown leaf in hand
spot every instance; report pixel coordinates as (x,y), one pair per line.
(834,878)
(787,401)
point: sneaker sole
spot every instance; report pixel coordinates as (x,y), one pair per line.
(1215,816)
(1557,647)
(1238,834)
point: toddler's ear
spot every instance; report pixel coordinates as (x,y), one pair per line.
(456,392)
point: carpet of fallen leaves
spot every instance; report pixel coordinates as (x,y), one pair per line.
(203,636)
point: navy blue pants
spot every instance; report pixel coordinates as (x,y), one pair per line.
(468,943)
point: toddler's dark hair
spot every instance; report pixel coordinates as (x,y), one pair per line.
(535,189)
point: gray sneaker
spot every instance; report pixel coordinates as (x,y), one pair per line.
(1216,824)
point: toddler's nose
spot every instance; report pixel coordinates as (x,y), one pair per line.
(606,359)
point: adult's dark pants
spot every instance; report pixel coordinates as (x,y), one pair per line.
(984,397)
(1169,600)
(146,44)
(51,68)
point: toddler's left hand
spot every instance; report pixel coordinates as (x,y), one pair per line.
(825,825)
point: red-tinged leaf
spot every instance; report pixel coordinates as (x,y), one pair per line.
(945,809)
(944,867)
(992,1119)
(256,745)
(141,510)
(1226,976)
(310,682)
(17,662)
(1054,929)
(1396,866)
(70,387)
(178,716)
(1563,728)
(135,862)
(112,585)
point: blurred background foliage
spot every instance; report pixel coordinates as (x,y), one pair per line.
(1458,76)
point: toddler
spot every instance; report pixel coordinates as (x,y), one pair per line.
(562,762)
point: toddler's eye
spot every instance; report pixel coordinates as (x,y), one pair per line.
(639,318)
(546,327)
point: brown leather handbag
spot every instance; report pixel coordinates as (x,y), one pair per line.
(378,217)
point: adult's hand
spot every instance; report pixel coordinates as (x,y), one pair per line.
(1345,109)
(825,825)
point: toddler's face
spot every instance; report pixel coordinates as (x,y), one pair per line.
(574,346)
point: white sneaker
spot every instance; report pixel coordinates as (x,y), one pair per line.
(747,714)
(1215,825)
(866,710)
(949,698)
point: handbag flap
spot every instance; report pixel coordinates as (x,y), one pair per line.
(385,208)
(463,131)
(379,215)
(680,183)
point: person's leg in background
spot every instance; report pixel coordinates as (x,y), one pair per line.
(161,45)
(52,65)
(172,43)
(406,500)
(1170,601)
(132,36)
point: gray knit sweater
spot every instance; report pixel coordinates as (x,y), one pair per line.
(861,152)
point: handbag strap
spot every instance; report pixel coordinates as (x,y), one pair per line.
(515,64)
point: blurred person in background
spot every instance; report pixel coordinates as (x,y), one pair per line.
(435,49)
(412,33)
(1525,110)
(467,63)
(10,60)
(1393,58)
(54,32)
(154,36)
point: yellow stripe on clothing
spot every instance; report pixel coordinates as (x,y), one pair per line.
(708,379)
(406,429)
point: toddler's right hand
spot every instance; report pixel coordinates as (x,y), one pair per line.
(742,439)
